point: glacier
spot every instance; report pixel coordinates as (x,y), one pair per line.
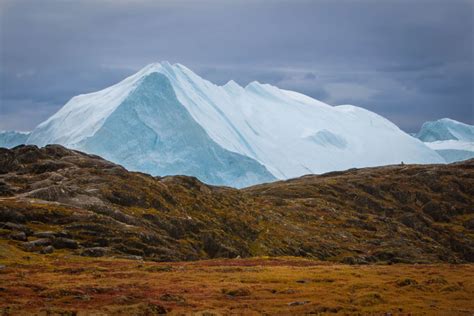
(453,140)
(167,120)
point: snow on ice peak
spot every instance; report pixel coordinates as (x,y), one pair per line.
(258,121)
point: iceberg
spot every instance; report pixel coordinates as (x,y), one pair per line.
(453,140)
(167,120)
(10,139)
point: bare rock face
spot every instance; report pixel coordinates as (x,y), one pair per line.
(91,207)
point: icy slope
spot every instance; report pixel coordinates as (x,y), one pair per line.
(10,139)
(141,124)
(446,129)
(453,140)
(152,132)
(289,133)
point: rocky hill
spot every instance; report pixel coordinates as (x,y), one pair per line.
(53,199)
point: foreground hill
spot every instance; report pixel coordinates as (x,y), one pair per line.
(58,200)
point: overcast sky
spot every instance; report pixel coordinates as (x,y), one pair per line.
(410,61)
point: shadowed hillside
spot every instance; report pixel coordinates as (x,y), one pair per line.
(55,199)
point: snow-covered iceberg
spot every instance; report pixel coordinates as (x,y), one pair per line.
(453,140)
(10,139)
(167,120)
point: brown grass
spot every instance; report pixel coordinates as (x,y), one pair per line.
(65,284)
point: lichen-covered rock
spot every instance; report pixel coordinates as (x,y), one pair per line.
(94,252)
(45,234)
(35,245)
(47,250)
(61,243)
(21,236)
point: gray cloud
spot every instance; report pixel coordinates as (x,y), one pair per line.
(410,61)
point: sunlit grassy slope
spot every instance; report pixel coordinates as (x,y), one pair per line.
(66,285)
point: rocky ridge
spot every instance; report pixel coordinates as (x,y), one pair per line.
(55,199)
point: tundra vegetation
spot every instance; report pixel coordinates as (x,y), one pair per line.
(80,234)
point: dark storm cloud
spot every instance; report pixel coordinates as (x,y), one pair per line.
(410,61)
